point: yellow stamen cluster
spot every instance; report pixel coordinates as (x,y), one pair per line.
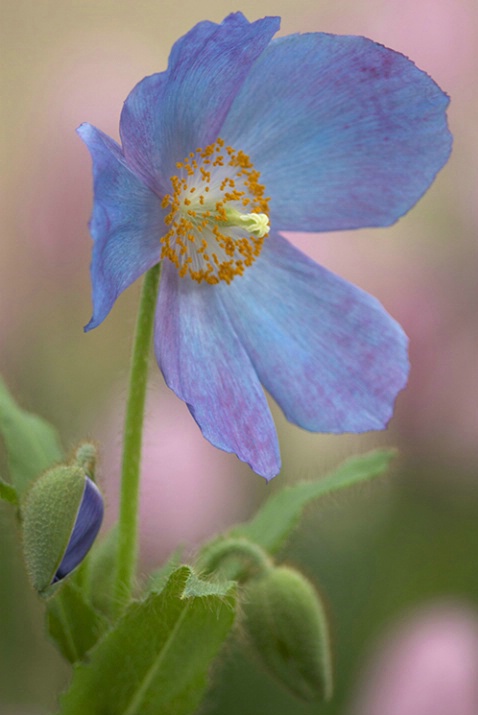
(218,216)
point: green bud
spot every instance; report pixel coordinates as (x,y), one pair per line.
(85,458)
(287,628)
(61,515)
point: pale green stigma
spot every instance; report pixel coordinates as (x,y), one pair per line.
(255,224)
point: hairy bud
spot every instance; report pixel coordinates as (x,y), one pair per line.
(286,626)
(61,516)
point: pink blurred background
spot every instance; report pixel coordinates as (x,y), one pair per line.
(73,61)
(427,664)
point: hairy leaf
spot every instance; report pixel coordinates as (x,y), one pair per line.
(279,515)
(157,657)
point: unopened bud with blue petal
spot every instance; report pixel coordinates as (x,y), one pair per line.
(286,626)
(61,516)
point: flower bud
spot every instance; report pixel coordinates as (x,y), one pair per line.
(286,626)
(61,516)
(85,458)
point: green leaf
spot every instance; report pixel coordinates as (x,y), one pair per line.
(276,519)
(158,579)
(73,623)
(8,493)
(32,444)
(157,657)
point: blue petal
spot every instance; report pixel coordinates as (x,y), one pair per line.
(328,353)
(87,525)
(345,132)
(203,361)
(168,115)
(126,224)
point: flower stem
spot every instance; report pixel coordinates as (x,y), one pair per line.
(239,559)
(133,431)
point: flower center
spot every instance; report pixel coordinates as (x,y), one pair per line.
(218,219)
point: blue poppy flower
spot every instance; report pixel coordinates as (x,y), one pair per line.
(241,138)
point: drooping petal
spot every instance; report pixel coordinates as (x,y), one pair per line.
(126,224)
(204,363)
(87,525)
(168,115)
(345,132)
(328,353)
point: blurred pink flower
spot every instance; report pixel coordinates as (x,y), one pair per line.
(427,666)
(189,489)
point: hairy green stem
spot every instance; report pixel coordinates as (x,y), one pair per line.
(239,559)
(133,432)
